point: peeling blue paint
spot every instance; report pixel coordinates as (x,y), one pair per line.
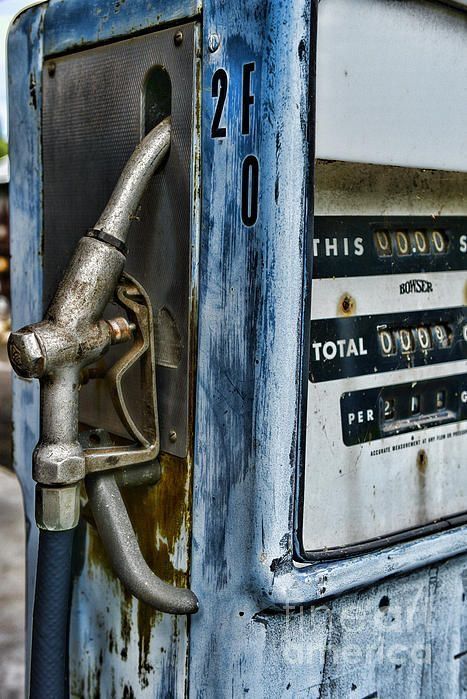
(253,288)
(24,70)
(403,635)
(73,24)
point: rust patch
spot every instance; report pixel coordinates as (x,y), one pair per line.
(422,462)
(96,555)
(125,617)
(422,465)
(159,513)
(97,558)
(346,305)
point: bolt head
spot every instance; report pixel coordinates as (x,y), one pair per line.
(57,509)
(26,355)
(58,464)
(214,41)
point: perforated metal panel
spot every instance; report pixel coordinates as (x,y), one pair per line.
(92,120)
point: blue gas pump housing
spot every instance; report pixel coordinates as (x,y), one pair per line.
(305,239)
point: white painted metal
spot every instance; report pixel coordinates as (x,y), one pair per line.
(448,291)
(357,493)
(392,83)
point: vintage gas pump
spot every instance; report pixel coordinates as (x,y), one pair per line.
(251,465)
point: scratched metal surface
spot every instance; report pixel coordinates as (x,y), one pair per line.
(76,23)
(118,647)
(251,285)
(90,126)
(399,636)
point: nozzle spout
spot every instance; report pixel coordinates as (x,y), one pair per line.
(122,205)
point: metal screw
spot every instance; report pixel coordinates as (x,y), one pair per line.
(214,41)
(173,436)
(121,330)
(51,68)
(178,38)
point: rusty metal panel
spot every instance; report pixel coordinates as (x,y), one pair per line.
(92,120)
(120,646)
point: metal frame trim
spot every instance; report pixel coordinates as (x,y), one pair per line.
(70,26)
(309,584)
(25,55)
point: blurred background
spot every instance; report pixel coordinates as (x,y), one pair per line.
(11,515)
